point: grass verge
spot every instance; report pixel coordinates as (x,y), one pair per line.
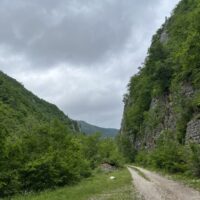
(191,181)
(186,180)
(97,187)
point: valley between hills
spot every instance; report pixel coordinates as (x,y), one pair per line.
(46,155)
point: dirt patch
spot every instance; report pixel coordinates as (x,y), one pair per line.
(106,167)
(161,188)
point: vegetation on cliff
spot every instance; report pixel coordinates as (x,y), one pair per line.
(165,95)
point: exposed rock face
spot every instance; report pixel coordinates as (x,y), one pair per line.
(187,90)
(193,131)
(107,167)
(163,117)
(164,37)
(168,119)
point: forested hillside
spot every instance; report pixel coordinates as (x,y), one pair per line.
(40,147)
(162,105)
(20,109)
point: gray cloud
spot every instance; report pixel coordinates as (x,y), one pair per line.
(79,32)
(79,54)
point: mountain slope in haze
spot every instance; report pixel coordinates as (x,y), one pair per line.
(90,129)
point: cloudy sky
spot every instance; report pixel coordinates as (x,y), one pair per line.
(79,54)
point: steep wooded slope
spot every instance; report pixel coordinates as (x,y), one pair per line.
(165,94)
(38,147)
(19,107)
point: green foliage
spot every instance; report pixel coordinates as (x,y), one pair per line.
(172,157)
(98,186)
(143,158)
(109,152)
(99,150)
(167,84)
(39,148)
(126,146)
(194,159)
(50,156)
(18,106)
(196,102)
(168,155)
(91,149)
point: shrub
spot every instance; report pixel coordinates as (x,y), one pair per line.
(169,154)
(9,182)
(143,158)
(194,159)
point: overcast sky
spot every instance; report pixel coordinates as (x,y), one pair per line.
(79,54)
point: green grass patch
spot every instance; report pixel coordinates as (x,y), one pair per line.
(96,187)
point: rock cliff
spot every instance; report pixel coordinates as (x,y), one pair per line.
(165,94)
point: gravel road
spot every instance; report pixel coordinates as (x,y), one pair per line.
(152,186)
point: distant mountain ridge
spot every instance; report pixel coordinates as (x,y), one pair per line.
(90,129)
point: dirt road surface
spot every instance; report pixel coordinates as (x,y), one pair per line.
(152,186)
